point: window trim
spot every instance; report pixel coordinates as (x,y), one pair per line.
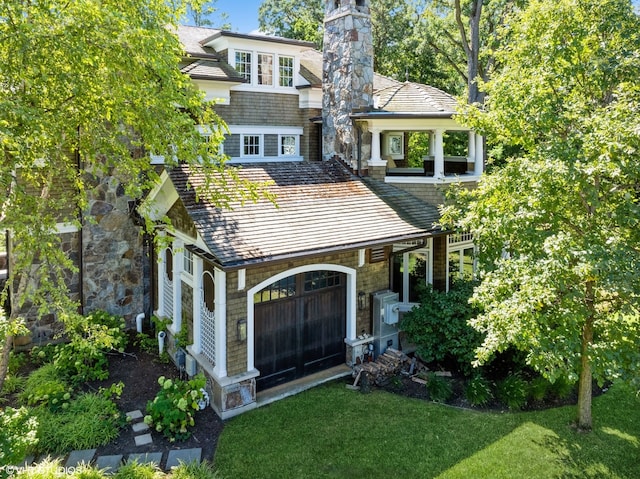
(260,145)
(296,145)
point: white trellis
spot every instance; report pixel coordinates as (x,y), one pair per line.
(207,319)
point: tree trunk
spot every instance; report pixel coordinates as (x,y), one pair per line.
(586,377)
(4,358)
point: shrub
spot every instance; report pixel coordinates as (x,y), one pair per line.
(46,469)
(136,470)
(561,388)
(439,326)
(12,384)
(194,470)
(173,409)
(44,387)
(539,388)
(83,358)
(439,388)
(17,434)
(89,421)
(478,391)
(512,392)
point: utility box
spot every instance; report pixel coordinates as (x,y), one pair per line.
(385,321)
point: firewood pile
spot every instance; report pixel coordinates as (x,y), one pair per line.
(389,364)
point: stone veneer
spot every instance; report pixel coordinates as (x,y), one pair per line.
(347,77)
(111,255)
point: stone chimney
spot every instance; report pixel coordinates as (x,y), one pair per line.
(347,77)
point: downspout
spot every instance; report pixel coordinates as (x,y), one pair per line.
(359,149)
(80,234)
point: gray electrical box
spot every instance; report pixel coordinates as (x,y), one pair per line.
(385,321)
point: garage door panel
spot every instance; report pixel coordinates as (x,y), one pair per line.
(302,333)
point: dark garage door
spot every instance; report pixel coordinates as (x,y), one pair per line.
(299,326)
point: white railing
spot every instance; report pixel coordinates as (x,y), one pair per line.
(208,332)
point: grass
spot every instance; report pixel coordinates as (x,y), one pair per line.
(330,431)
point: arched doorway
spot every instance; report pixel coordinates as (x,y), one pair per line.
(300,326)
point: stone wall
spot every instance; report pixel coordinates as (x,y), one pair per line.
(347,77)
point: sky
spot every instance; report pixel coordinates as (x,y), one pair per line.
(243,14)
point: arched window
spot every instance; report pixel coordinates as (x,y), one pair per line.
(168,264)
(208,291)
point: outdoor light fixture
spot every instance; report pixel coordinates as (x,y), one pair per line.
(241,330)
(361,300)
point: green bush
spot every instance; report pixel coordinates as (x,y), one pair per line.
(539,388)
(478,391)
(173,409)
(512,392)
(90,420)
(84,358)
(17,434)
(44,387)
(136,470)
(561,388)
(439,388)
(439,326)
(12,384)
(194,470)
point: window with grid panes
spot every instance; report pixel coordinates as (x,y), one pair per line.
(243,64)
(251,145)
(285,71)
(288,145)
(265,69)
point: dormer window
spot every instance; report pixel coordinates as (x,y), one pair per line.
(243,64)
(286,71)
(265,69)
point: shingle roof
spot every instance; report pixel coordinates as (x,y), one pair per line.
(211,69)
(411,97)
(321,207)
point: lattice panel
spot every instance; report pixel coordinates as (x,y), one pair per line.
(208,331)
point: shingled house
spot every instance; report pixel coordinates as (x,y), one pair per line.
(275,295)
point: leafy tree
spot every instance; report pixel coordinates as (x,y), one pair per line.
(299,20)
(558,227)
(462,33)
(91,86)
(201,15)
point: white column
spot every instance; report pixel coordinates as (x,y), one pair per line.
(220,281)
(376,159)
(162,272)
(479,156)
(197,304)
(352,303)
(432,141)
(471,150)
(438,164)
(178,264)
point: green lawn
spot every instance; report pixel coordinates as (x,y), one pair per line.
(330,431)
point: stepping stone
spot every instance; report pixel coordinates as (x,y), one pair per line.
(139,427)
(146,458)
(77,457)
(143,440)
(132,415)
(109,464)
(183,455)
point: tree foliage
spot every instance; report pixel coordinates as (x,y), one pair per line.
(89,88)
(558,226)
(299,20)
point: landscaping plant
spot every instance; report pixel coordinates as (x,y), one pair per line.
(17,434)
(439,388)
(512,392)
(173,409)
(44,387)
(439,326)
(90,420)
(478,391)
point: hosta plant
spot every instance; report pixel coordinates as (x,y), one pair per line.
(173,409)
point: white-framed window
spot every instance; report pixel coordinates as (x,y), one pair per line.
(461,260)
(251,145)
(288,145)
(187,261)
(243,64)
(265,69)
(411,270)
(285,71)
